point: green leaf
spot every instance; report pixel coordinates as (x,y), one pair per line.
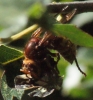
(40,15)
(36,12)
(62,65)
(9,93)
(74,34)
(8,54)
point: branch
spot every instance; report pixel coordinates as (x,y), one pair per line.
(18,35)
(81,6)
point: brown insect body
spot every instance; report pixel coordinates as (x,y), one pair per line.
(40,64)
(41,60)
(37,59)
(64,46)
(31,50)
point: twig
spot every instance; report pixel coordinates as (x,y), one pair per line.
(81,6)
(24,32)
(19,35)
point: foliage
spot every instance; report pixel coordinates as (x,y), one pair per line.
(10,55)
(10,93)
(75,35)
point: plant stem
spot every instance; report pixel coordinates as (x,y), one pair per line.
(19,35)
(24,32)
(81,6)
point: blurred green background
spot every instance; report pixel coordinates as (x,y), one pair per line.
(14,18)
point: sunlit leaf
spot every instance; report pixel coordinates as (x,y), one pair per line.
(8,54)
(74,34)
